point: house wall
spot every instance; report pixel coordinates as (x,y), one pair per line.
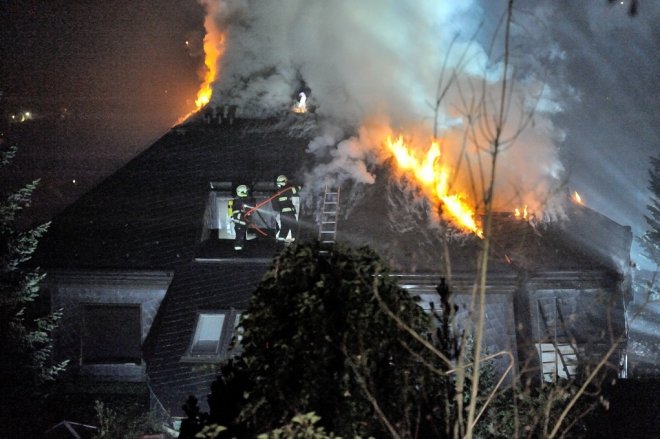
(499,319)
(71,291)
(583,308)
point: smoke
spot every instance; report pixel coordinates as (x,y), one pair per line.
(388,61)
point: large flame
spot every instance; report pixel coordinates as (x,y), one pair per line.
(433,177)
(214,48)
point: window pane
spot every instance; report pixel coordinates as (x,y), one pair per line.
(207,334)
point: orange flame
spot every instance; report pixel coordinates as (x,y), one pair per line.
(433,177)
(521,215)
(577,198)
(214,48)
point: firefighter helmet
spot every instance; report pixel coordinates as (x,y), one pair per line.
(242,190)
(282,180)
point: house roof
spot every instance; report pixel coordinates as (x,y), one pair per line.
(399,227)
(149,215)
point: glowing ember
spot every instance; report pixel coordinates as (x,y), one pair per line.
(433,178)
(577,199)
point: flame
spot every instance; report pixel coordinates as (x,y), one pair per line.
(214,48)
(523,215)
(434,178)
(577,198)
(301,104)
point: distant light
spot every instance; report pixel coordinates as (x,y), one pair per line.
(74,181)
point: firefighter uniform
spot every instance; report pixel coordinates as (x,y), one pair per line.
(238,208)
(283,203)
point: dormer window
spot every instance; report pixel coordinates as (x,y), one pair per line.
(217,220)
(260,227)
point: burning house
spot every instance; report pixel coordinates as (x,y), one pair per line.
(151,288)
(146,270)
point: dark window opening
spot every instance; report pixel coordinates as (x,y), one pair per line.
(111,334)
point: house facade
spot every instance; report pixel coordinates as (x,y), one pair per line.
(151,288)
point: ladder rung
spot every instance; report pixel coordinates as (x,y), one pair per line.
(328,219)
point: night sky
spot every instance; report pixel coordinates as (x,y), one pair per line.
(103,81)
(106,79)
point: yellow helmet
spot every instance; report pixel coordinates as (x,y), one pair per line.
(242,190)
(282,180)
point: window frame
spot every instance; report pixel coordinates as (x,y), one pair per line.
(227,332)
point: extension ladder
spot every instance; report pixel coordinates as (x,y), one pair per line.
(328,220)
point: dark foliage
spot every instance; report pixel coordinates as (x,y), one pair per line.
(25,332)
(316,338)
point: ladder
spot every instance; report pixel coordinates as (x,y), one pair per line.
(556,349)
(329,215)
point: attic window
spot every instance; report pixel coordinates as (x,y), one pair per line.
(211,339)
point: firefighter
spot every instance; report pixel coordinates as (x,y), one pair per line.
(237,210)
(283,203)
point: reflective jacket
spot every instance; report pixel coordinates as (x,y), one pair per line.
(283,203)
(237,208)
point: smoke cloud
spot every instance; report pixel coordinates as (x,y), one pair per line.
(377,63)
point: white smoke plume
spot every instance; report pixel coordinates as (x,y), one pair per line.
(383,60)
